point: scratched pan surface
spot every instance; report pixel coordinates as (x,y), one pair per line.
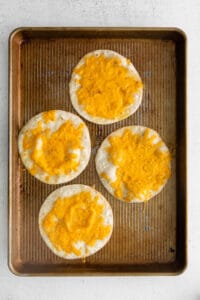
(144,241)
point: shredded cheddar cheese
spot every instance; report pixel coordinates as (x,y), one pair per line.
(52,152)
(49,116)
(107,88)
(74,219)
(141,166)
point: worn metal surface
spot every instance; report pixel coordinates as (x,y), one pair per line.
(144,241)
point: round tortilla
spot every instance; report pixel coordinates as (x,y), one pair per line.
(103,164)
(68,191)
(83,154)
(74,86)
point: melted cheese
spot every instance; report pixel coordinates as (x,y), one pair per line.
(107,88)
(141,166)
(74,219)
(53,152)
(49,116)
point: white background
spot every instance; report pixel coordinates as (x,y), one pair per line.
(179,13)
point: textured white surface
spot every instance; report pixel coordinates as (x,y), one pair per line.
(180,13)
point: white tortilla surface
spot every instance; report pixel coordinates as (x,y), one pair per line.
(103,165)
(74,86)
(68,191)
(83,155)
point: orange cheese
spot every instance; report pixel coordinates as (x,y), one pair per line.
(49,116)
(142,167)
(106,87)
(74,219)
(53,152)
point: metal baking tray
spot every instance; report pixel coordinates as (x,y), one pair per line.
(147,241)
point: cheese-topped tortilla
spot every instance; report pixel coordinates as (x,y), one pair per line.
(105,87)
(75,221)
(133,163)
(55,146)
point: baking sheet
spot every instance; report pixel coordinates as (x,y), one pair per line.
(144,241)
